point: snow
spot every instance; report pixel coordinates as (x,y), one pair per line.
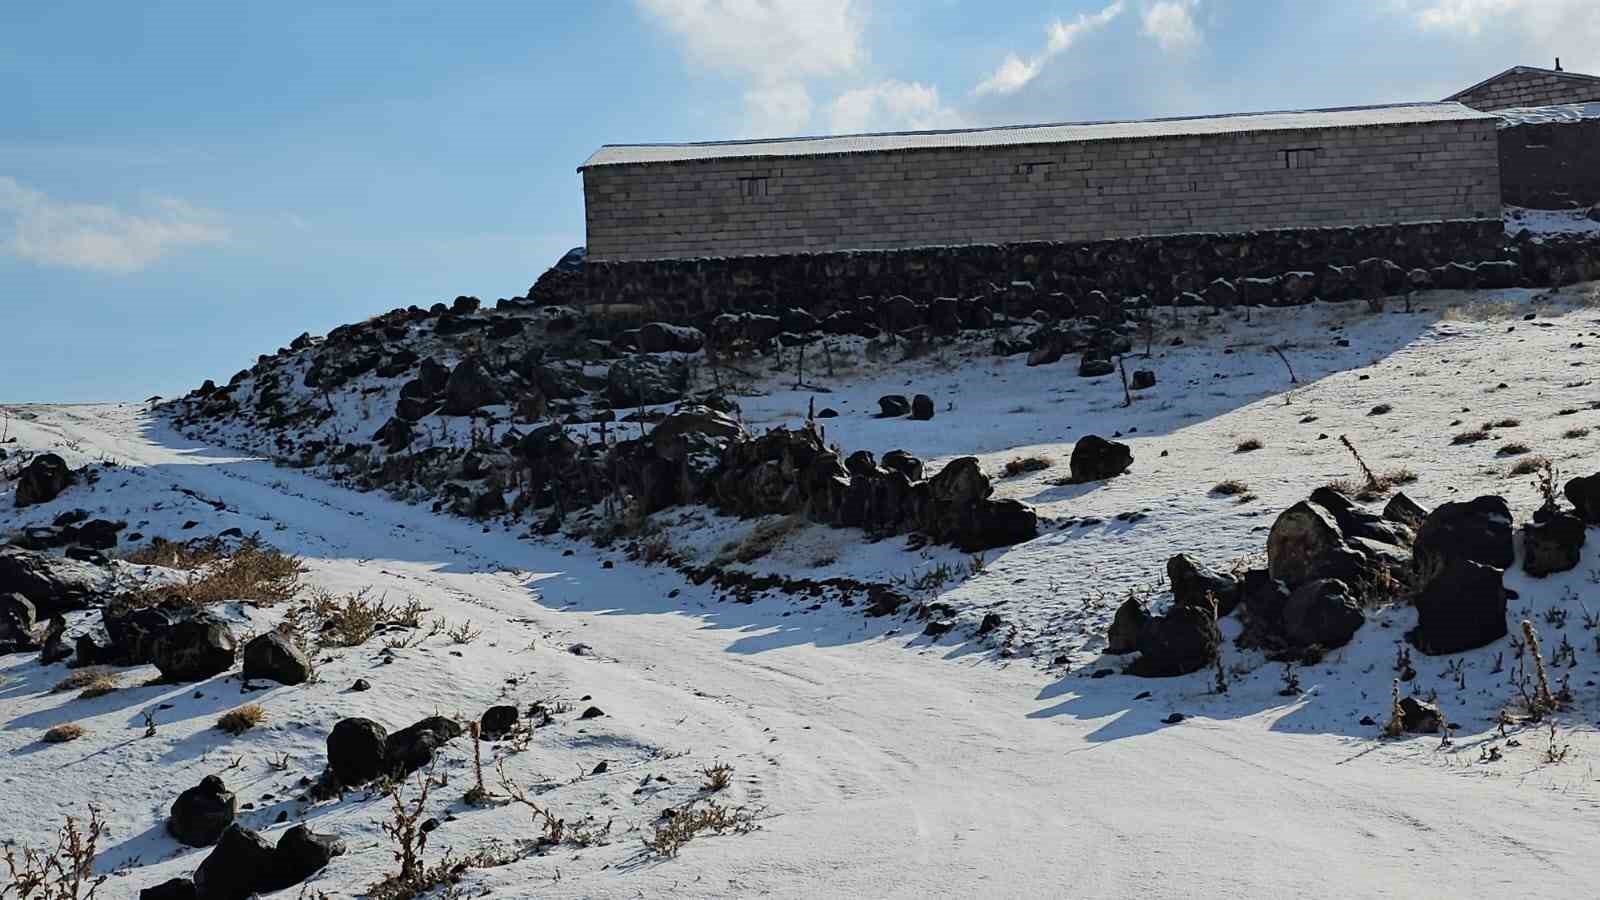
(1542,223)
(1559,114)
(880,762)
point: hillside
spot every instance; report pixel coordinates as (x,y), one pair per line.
(911,706)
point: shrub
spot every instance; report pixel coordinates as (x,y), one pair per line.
(1469,437)
(238,721)
(254,573)
(1248,445)
(718,777)
(1573,434)
(1512,449)
(1022,465)
(63,873)
(350,620)
(761,540)
(60,734)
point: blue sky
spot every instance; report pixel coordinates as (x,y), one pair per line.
(185,185)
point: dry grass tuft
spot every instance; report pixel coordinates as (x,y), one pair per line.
(1233,487)
(60,734)
(1502,423)
(84,678)
(1528,465)
(253,573)
(1022,465)
(1512,449)
(760,541)
(350,620)
(683,824)
(718,777)
(1469,437)
(1249,445)
(238,721)
(1573,434)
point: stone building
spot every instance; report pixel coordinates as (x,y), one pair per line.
(1550,156)
(1529,86)
(1362,166)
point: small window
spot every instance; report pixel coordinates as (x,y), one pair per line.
(1037,172)
(1301,157)
(753,187)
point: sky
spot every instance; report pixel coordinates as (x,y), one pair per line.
(185,185)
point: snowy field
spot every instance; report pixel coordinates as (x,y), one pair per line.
(876,761)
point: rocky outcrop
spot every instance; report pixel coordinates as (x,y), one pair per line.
(1184,640)
(1552,542)
(1196,584)
(1462,607)
(194,648)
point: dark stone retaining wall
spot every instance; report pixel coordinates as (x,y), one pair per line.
(1161,268)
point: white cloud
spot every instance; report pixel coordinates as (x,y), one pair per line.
(1170,24)
(891,106)
(774,44)
(1539,29)
(39,228)
(782,108)
(1014,72)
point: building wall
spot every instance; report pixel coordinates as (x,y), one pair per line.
(1529,88)
(1083,191)
(1552,165)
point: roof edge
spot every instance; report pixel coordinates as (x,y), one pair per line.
(1467,113)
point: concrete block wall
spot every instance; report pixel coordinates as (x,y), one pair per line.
(1530,88)
(1082,191)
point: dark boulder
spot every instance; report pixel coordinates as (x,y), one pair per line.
(134,632)
(1143,379)
(922,407)
(17,619)
(1405,511)
(1552,544)
(412,748)
(1321,613)
(357,751)
(300,854)
(1301,540)
(1478,530)
(1262,599)
(1420,716)
(1196,584)
(1355,522)
(998,523)
(171,889)
(1463,607)
(241,865)
(645,381)
(97,534)
(1584,495)
(1184,640)
(498,721)
(53,585)
(903,462)
(42,480)
(1095,459)
(660,337)
(1129,621)
(469,388)
(1095,366)
(396,434)
(273,657)
(194,649)
(202,813)
(892,406)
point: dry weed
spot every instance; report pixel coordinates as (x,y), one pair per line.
(238,721)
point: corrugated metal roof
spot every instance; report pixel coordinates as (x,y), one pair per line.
(1547,115)
(1016,135)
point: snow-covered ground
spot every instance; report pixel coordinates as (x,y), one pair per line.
(880,762)
(1542,223)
